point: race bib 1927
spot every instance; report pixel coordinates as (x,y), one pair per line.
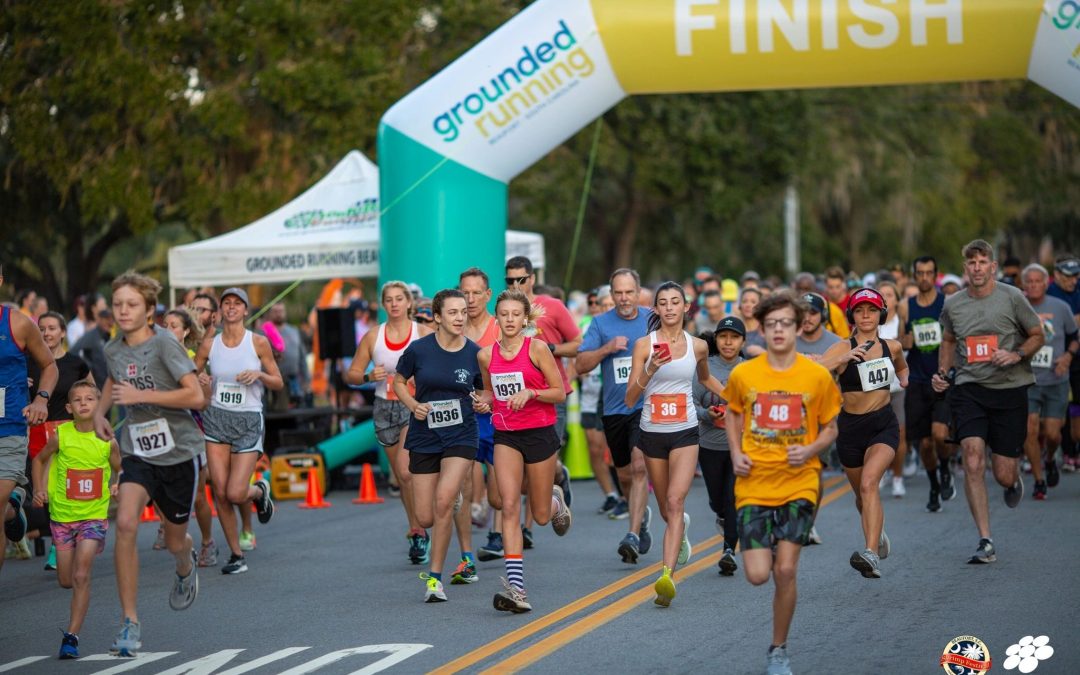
(150,439)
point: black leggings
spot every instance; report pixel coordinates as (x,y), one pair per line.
(720,482)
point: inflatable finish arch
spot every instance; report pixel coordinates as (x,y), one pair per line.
(455,142)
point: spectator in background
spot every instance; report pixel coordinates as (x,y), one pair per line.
(712,311)
(836,290)
(1010,271)
(423,313)
(950,283)
(750,279)
(39,307)
(91,346)
(25,300)
(645,297)
(77,326)
(293,364)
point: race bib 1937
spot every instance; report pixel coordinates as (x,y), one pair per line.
(150,439)
(444,413)
(505,385)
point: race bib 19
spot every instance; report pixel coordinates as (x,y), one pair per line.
(1044,358)
(622,369)
(927,335)
(876,374)
(150,439)
(231,394)
(444,413)
(778,412)
(981,348)
(505,385)
(84,485)
(668,408)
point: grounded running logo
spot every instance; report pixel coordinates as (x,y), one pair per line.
(1026,654)
(965,655)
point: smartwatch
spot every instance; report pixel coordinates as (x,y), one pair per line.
(44,395)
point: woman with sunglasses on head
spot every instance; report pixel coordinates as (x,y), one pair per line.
(869,433)
(663,368)
(522,385)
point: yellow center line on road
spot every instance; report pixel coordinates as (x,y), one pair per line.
(830,482)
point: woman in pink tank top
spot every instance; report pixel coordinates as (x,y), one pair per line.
(521,386)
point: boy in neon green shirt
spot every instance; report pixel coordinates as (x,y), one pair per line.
(82,477)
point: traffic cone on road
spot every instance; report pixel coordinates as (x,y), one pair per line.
(314,498)
(148,515)
(368,493)
(210,499)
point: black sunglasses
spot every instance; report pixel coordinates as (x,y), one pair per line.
(513,281)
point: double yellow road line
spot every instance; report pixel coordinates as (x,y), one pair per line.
(525,657)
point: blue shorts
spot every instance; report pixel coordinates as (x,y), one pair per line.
(485,451)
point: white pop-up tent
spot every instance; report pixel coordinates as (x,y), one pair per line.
(331,230)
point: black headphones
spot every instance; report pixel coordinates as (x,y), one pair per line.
(825,314)
(850,313)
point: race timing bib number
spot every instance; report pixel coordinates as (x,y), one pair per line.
(622,369)
(876,374)
(505,385)
(150,439)
(927,335)
(778,412)
(84,485)
(444,414)
(1044,358)
(668,408)
(231,394)
(981,348)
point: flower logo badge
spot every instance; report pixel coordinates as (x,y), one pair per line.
(1026,654)
(965,655)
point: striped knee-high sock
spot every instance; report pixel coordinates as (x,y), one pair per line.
(515,571)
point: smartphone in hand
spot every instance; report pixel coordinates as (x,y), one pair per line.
(662,350)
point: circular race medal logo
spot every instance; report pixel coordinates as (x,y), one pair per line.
(965,655)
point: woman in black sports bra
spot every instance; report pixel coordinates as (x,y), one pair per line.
(869,432)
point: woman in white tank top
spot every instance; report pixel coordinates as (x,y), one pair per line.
(664,364)
(383,348)
(241,364)
(893,329)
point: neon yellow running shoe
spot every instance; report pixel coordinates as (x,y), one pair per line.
(665,588)
(434,592)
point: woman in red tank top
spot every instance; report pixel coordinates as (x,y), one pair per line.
(521,386)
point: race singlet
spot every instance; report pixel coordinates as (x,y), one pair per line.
(668,408)
(84,485)
(927,335)
(150,439)
(444,413)
(981,348)
(778,412)
(622,369)
(505,385)
(1044,358)
(876,374)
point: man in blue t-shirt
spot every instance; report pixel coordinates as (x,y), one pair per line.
(609,343)
(1064,287)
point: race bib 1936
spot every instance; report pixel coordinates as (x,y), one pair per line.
(444,413)
(150,439)
(622,369)
(505,385)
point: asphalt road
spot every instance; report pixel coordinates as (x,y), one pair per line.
(331,591)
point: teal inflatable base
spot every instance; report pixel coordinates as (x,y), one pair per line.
(345,447)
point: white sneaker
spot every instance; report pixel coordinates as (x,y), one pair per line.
(884,479)
(911,465)
(898,489)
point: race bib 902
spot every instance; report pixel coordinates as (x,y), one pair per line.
(927,335)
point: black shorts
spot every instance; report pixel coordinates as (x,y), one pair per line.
(431,462)
(591,421)
(659,444)
(1074,384)
(535,445)
(922,408)
(859,432)
(171,487)
(998,416)
(622,433)
(763,526)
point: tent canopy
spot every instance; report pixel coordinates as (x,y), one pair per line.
(331,230)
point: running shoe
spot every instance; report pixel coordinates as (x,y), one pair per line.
(898,489)
(159,541)
(247,541)
(1070,465)
(984,554)
(208,553)
(526,538)
(945,478)
(560,521)
(1039,494)
(15,529)
(777,661)
(665,588)
(934,505)
(621,511)
(186,588)
(813,538)
(610,502)
(720,524)
(728,566)
(264,505)
(236,565)
(644,536)
(458,501)
(50,562)
(1052,474)
(1014,494)
(911,465)
(866,563)
(478,513)
(393,490)
(562,479)
(628,548)
(1025,466)
(69,647)
(21,550)
(884,546)
(465,573)
(684,548)
(127,642)
(493,549)
(434,591)
(511,599)
(418,547)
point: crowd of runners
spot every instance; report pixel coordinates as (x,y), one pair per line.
(754,385)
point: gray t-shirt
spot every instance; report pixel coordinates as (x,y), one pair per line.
(1057,321)
(711,437)
(149,430)
(1004,317)
(819,346)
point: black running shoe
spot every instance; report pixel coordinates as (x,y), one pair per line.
(728,566)
(236,565)
(984,554)
(1052,474)
(945,477)
(526,538)
(562,479)
(15,529)
(265,504)
(1014,494)
(934,505)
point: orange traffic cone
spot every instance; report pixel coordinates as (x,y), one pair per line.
(148,515)
(368,494)
(314,498)
(210,499)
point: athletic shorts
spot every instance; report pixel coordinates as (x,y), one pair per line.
(858,432)
(66,536)
(485,451)
(535,445)
(560,421)
(622,433)
(390,418)
(1049,400)
(1074,383)
(998,416)
(763,526)
(243,430)
(922,408)
(591,421)
(172,487)
(13,455)
(431,462)
(659,444)
(896,400)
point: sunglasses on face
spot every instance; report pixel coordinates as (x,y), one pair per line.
(514,281)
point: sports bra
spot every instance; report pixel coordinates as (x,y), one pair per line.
(849,379)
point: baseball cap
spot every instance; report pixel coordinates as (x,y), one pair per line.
(1069,268)
(816,302)
(867,295)
(951,279)
(733,324)
(749,275)
(238,292)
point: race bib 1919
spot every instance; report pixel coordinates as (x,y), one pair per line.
(231,394)
(150,439)
(444,413)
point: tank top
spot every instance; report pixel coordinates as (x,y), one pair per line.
(509,376)
(14,392)
(491,334)
(79,476)
(225,364)
(668,401)
(854,374)
(386,354)
(890,330)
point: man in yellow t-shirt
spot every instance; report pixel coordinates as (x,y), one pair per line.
(781,414)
